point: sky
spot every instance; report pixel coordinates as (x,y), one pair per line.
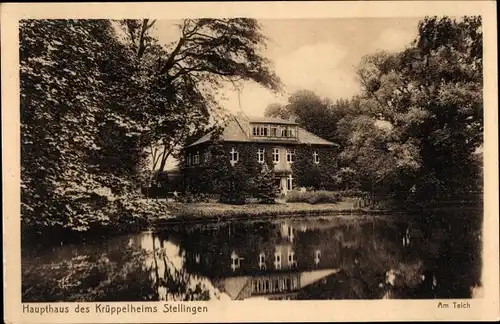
(314,54)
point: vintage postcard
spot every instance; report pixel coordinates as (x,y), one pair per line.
(250,161)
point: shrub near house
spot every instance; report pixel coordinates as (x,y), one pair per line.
(256,157)
(314,197)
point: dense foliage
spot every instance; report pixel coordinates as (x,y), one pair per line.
(96,95)
(414,131)
(80,147)
(314,197)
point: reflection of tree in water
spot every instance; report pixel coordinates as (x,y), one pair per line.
(88,276)
(377,257)
(429,256)
(120,269)
(417,256)
(453,257)
(171,280)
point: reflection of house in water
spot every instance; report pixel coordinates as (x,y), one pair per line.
(273,286)
(271,270)
(284,257)
(281,246)
(272,260)
(287,231)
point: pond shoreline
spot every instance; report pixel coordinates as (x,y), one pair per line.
(176,213)
(196,212)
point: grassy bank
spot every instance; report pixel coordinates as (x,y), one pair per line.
(218,211)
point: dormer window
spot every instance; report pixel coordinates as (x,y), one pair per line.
(256,131)
(274,131)
(284,132)
(260,130)
(316,157)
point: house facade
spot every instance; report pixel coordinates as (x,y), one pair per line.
(278,140)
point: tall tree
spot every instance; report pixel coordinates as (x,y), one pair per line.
(80,145)
(186,74)
(266,189)
(429,98)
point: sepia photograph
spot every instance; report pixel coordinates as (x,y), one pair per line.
(250,159)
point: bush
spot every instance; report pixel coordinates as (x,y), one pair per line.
(354,193)
(314,197)
(189,198)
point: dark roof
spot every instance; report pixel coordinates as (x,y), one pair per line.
(238,128)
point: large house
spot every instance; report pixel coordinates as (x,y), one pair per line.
(281,138)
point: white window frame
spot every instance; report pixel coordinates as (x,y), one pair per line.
(188,162)
(207,156)
(196,158)
(316,157)
(290,155)
(276,155)
(261,155)
(277,261)
(289,182)
(232,154)
(284,132)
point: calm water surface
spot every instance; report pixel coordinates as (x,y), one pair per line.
(351,257)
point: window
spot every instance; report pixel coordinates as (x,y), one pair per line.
(291,132)
(207,157)
(274,131)
(262,257)
(234,155)
(276,155)
(317,256)
(189,159)
(196,159)
(277,261)
(289,182)
(316,157)
(284,132)
(260,155)
(290,156)
(260,130)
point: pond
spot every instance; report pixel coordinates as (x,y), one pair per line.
(434,255)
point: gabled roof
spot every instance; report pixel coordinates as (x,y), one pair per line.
(237,128)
